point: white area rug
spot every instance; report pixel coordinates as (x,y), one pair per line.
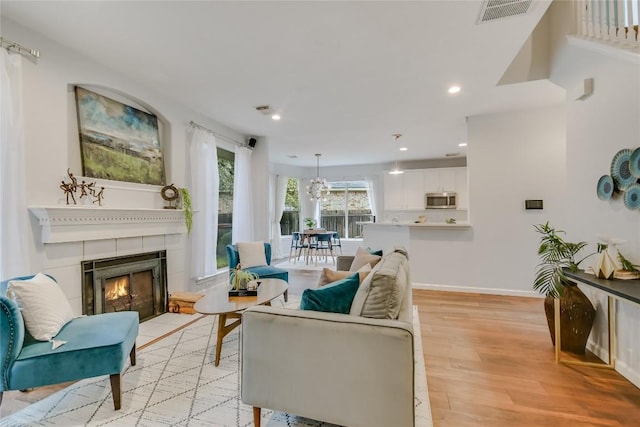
(301,265)
(175,383)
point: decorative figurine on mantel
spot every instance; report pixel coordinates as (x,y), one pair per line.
(86,189)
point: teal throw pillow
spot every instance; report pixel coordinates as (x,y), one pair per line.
(335,297)
(374,251)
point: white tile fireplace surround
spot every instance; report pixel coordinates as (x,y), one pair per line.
(72,234)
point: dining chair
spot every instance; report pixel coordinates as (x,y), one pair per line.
(324,244)
(336,241)
(297,245)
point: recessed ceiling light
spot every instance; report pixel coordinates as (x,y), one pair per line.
(462,144)
(396,172)
(454,89)
(403,148)
(276,117)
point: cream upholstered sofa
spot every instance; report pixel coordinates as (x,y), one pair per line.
(345,369)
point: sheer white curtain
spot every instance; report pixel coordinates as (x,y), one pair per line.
(281,193)
(308,208)
(242,229)
(14,259)
(203,166)
(372,190)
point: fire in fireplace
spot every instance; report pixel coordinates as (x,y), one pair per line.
(128,283)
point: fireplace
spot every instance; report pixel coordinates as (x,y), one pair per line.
(126,283)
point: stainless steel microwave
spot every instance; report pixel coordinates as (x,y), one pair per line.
(440,200)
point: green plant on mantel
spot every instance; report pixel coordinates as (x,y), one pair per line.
(186,205)
(556,254)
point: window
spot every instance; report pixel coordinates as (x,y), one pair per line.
(290,220)
(346,206)
(226,162)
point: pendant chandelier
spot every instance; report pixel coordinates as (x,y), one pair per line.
(318,188)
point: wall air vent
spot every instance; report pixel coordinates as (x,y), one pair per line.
(498,9)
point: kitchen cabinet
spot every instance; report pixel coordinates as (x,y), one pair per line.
(407,191)
(404,191)
(462,188)
(441,179)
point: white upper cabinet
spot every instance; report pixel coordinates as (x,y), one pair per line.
(406,191)
(462,188)
(413,189)
(441,179)
(393,191)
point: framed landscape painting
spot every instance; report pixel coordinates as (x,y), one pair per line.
(117,141)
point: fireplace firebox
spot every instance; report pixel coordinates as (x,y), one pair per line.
(126,283)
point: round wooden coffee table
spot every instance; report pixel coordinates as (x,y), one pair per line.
(218,302)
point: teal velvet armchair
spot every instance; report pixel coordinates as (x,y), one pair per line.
(95,345)
(264,272)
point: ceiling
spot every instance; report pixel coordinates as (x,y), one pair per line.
(344,76)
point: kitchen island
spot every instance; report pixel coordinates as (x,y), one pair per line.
(385,235)
(435,248)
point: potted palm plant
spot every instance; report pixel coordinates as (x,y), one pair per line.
(576,311)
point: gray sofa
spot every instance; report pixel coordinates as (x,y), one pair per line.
(345,369)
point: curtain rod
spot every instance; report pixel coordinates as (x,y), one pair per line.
(216,134)
(15,47)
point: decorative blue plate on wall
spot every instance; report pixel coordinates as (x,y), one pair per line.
(620,169)
(605,187)
(632,197)
(634,163)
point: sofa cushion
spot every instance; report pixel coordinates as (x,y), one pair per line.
(381,294)
(44,307)
(251,254)
(363,257)
(329,276)
(333,298)
(375,251)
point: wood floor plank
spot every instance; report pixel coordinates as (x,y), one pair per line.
(515,380)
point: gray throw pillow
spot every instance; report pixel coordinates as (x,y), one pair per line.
(381,294)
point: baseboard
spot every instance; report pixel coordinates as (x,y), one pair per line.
(628,372)
(473,290)
(621,366)
(598,350)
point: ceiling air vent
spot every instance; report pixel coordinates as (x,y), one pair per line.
(498,9)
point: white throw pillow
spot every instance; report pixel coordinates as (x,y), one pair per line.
(251,254)
(363,257)
(44,307)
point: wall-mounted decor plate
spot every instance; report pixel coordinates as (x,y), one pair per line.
(634,163)
(605,187)
(632,197)
(620,169)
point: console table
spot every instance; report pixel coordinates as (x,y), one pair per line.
(623,290)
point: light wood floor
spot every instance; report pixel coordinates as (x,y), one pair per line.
(489,362)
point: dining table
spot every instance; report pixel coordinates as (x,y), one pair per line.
(308,236)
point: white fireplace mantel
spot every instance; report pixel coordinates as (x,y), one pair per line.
(81,223)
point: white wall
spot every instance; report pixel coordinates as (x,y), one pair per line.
(511,157)
(52,144)
(597,128)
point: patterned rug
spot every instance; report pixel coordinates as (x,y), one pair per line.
(175,383)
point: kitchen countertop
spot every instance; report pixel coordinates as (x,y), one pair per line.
(429,225)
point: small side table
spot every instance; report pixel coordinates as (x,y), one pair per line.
(622,290)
